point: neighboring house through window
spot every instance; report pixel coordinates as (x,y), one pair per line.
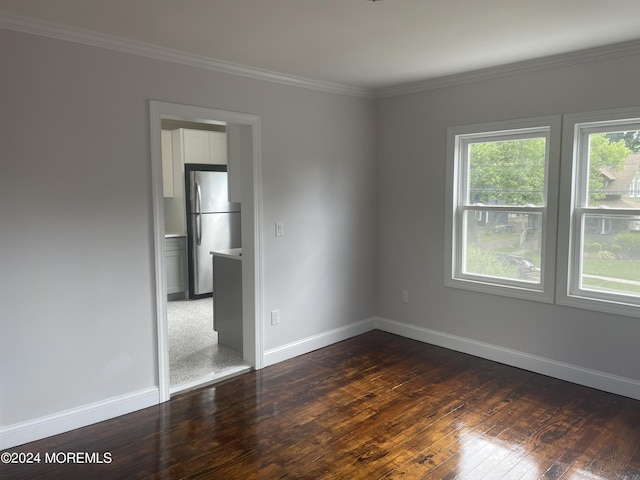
(599,260)
(507,190)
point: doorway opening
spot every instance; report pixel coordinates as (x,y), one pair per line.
(196,356)
(184,323)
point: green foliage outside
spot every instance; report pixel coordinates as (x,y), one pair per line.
(507,172)
(628,245)
(613,257)
(630,139)
(623,246)
(623,269)
(604,152)
(487,263)
(513,172)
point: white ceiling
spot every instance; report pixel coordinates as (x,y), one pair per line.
(357,43)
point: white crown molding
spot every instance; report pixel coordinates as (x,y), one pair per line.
(86,37)
(518,68)
(100,40)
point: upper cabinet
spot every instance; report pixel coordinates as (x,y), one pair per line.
(195,146)
(218,147)
(200,146)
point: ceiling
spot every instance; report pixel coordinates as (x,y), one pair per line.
(354,43)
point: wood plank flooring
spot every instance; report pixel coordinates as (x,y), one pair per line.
(377,406)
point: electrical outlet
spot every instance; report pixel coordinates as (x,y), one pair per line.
(405,296)
(279,229)
(275,317)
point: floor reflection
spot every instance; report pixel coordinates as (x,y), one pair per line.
(486,457)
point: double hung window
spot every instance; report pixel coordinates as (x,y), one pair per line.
(601,218)
(535,215)
(501,227)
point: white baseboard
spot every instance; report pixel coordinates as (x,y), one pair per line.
(39,428)
(564,371)
(61,422)
(315,342)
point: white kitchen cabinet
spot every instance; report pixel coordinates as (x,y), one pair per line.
(196,146)
(176,264)
(218,148)
(200,146)
(167,164)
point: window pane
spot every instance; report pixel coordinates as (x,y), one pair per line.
(614,170)
(507,172)
(611,254)
(503,245)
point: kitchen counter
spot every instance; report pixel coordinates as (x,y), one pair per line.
(227,297)
(235,253)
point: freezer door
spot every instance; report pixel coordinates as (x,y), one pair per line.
(218,231)
(210,193)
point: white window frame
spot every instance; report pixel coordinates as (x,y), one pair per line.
(573,208)
(457,138)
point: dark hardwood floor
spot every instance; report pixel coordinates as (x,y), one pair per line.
(377,406)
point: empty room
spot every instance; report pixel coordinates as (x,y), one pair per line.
(427,262)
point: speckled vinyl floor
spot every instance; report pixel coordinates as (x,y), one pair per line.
(195,358)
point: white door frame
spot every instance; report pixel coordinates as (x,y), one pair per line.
(252,284)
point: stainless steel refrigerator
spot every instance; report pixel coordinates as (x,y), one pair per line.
(213,223)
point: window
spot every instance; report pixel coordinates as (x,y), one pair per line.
(501,213)
(506,194)
(601,215)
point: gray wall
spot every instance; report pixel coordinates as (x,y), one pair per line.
(411,192)
(77,301)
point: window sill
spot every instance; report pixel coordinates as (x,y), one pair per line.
(599,305)
(513,291)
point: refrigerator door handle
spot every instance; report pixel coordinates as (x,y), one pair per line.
(198,214)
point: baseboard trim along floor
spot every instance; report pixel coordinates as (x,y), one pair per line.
(68,420)
(315,342)
(61,422)
(564,371)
